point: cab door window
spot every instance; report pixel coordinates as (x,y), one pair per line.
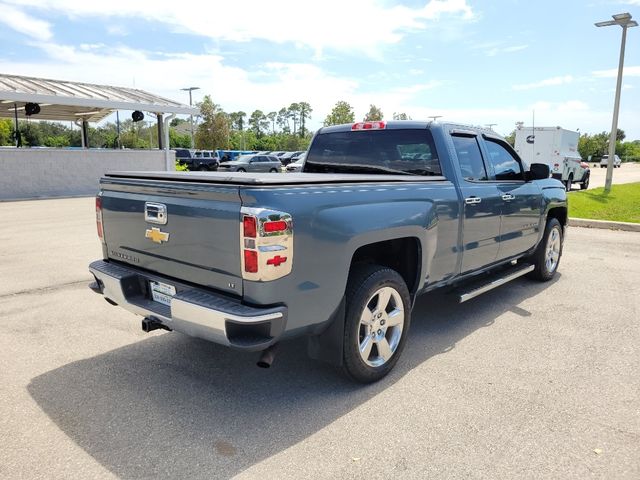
(469,158)
(505,165)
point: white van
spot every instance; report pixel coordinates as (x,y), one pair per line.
(557,148)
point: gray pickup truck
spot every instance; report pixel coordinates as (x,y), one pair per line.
(382,212)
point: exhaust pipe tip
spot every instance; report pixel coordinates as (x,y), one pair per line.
(267,357)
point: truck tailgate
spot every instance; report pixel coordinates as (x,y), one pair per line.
(198,238)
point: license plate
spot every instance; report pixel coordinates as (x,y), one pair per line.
(162,292)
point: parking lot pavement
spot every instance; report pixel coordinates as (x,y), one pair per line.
(529,381)
(627,173)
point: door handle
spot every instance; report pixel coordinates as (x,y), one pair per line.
(507,196)
(472,200)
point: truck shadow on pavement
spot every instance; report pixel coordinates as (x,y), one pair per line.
(172,406)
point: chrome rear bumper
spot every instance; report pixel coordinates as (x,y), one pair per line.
(193,311)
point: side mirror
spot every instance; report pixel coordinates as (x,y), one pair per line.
(538,171)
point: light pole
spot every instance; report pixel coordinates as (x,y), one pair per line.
(624,20)
(191,89)
(490,125)
(435,117)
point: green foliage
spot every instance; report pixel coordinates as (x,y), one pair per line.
(401,116)
(6,132)
(373,114)
(341,113)
(258,122)
(213,132)
(622,204)
(181,167)
(305,113)
(511,138)
(179,140)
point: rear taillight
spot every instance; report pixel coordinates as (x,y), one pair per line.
(99,224)
(249,227)
(267,244)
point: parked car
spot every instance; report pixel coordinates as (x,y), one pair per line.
(337,254)
(605,160)
(286,157)
(184,155)
(204,160)
(298,155)
(296,166)
(252,163)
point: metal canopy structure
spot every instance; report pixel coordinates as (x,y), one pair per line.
(62,100)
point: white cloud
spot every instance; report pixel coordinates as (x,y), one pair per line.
(553,81)
(361,26)
(493,48)
(613,72)
(19,21)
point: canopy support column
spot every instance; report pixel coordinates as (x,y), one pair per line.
(160,131)
(170,166)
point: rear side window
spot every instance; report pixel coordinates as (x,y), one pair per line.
(410,151)
(505,166)
(469,158)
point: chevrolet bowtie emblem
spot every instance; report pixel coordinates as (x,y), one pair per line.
(156,235)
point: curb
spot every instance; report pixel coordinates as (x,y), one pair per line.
(588,223)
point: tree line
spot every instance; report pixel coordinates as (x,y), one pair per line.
(285,129)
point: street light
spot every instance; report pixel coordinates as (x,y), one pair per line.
(190,89)
(434,117)
(624,20)
(490,125)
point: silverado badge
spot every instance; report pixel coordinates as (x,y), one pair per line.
(156,235)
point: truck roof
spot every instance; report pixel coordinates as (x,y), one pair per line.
(414,124)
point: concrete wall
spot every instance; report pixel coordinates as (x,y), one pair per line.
(34,173)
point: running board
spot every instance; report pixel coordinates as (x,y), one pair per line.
(507,276)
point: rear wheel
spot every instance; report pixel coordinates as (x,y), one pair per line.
(241,170)
(585,183)
(273,170)
(377,320)
(547,256)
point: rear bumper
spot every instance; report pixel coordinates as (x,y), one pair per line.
(193,311)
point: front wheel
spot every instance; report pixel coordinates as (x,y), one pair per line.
(547,256)
(378,314)
(241,170)
(569,182)
(273,170)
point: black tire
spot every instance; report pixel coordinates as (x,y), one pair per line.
(365,281)
(203,168)
(273,170)
(544,271)
(241,170)
(569,182)
(585,183)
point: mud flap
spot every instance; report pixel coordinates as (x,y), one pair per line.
(328,345)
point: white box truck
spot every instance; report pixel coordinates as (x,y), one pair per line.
(556,147)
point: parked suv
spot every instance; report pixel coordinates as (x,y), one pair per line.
(605,160)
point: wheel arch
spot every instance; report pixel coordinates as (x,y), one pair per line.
(404,255)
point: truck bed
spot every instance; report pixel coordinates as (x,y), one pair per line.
(240,178)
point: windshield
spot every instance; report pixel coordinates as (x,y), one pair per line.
(410,151)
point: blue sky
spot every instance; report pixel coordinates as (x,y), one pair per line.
(470,61)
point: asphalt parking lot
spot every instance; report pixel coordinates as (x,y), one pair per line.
(528,381)
(627,173)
